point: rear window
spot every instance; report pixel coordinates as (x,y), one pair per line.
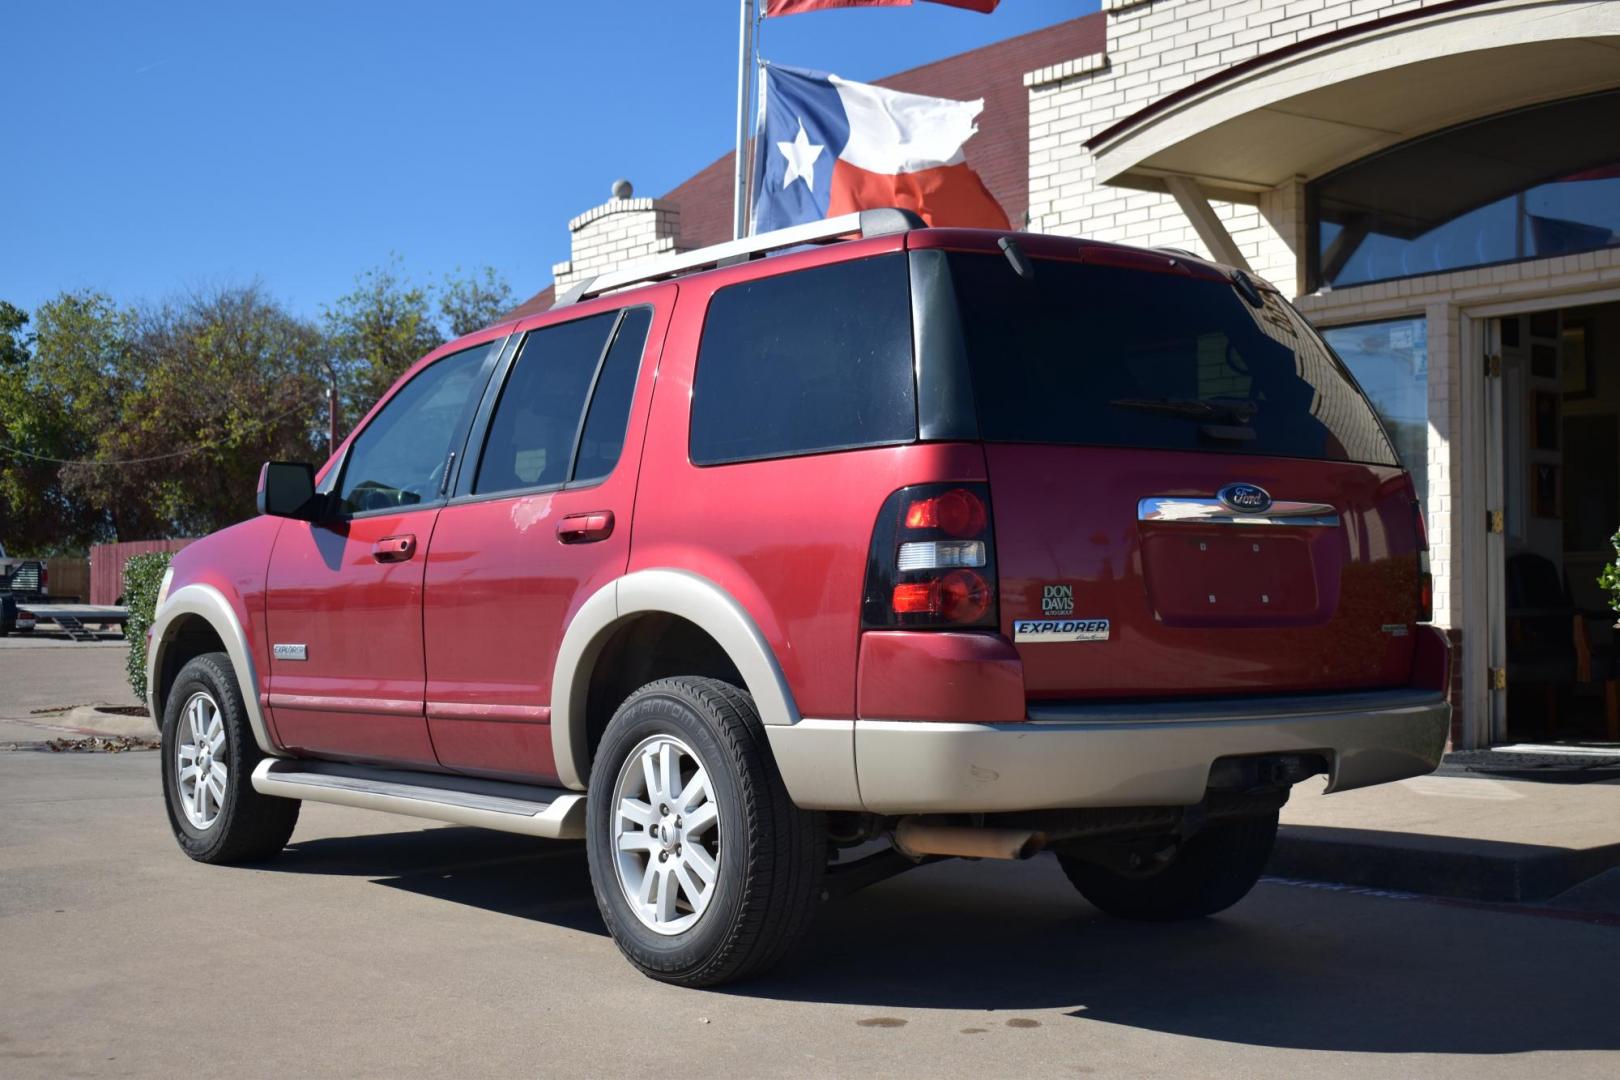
(1097,355)
(806,362)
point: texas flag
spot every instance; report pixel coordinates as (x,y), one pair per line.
(827,146)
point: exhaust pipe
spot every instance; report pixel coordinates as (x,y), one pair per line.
(917,837)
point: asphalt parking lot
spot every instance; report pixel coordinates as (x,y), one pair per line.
(378,945)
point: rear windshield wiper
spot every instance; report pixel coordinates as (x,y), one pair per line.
(1220,412)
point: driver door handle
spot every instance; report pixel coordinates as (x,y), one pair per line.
(394,548)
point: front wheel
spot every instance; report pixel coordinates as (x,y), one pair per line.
(1209,872)
(208,758)
(704,871)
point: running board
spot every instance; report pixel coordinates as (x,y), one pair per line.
(553,813)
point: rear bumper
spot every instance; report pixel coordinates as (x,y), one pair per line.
(1099,755)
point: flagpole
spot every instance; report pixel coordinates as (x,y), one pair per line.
(745,70)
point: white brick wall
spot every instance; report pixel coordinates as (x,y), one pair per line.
(1156,47)
(618,234)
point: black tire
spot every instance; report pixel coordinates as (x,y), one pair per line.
(249,826)
(772,854)
(1213,870)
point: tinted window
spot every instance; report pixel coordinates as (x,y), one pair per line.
(1098,355)
(1530,184)
(531,437)
(610,404)
(803,362)
(401,457)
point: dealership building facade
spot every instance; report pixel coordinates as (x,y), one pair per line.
(1437,187)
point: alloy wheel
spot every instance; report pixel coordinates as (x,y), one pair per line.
(666,834)
(200,770)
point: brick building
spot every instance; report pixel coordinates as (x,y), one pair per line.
(1436,184)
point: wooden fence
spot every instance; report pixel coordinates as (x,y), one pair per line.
(107,567)
(68,577)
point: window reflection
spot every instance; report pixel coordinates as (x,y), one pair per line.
(1532,184)
(1391,362)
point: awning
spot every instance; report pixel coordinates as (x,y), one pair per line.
(1308,108)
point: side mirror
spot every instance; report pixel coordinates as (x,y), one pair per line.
(287,489)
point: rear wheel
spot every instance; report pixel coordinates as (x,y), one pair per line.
(704,871)
(1209,872)
(209,754)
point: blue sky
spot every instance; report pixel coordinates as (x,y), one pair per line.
(154,148)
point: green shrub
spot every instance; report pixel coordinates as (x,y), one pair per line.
(143,576)
(1609,579)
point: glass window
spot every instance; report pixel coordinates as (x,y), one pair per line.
(805,362)
(1089,355)
(603,438)
(1530,184)
(401,457)
(531,437)
(1391,362)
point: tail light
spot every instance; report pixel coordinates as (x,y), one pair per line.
(1425,578)
(932,564)
(44,579)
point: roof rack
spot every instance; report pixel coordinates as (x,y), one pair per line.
(867,223)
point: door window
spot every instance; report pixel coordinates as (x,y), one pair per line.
(401,457)
(541,423)
(603,437)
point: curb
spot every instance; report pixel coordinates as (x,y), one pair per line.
(1487,870)
(92,720)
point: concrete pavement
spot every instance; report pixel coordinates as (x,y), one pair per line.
(43,678)
(1471,837)
(376,945)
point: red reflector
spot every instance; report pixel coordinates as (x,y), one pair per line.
(916,599)
(964,596)
(958,512)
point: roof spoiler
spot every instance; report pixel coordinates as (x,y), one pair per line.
(864,223)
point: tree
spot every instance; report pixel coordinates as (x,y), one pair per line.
(376,332)
(212,385)
(57,386)
(475,301)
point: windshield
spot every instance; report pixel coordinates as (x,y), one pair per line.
(1104,356)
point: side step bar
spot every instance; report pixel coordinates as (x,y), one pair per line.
(553,813)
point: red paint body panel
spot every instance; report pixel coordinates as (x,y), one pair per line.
(1304,612)
(234,561)
(502,587)
(359,694)
(929,675)
(786,538)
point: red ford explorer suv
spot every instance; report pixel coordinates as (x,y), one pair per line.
(774,568)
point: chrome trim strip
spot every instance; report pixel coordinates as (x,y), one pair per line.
(1190,510)
(338,704)
(469,710)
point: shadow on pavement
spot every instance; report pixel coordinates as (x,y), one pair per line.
(1289,967)
(543,880)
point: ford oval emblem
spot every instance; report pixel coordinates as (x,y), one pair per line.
(1245,498)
